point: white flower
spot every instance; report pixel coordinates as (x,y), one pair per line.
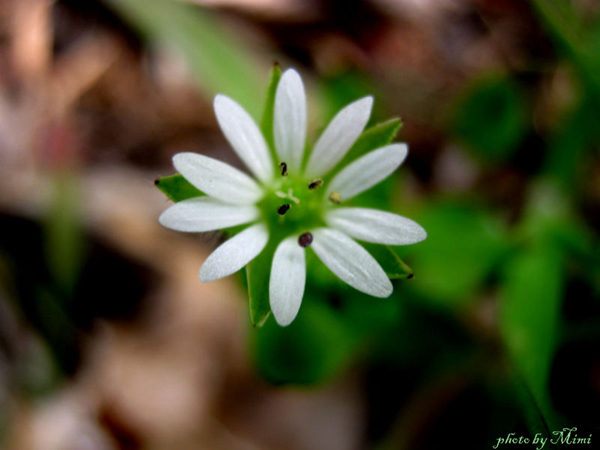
(289,202)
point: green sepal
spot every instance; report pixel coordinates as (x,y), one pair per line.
(177,188)
(258,273)
(373,138)
(267,118)
(390,262)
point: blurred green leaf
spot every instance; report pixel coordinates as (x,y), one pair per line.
(219,63)
(530,307)
(390,262)
(575,36)
(314,347)
(177,188)
(570,143)
(63,233)
(258,273)
(532,290)
(536,421)
(491,117)
(267,119)
(463,246)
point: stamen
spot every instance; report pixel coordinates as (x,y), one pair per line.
(315,183)
(283,209)
(335,197)
(283,168)
(291,196)
(305,240)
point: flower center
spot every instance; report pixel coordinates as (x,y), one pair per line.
(293,205)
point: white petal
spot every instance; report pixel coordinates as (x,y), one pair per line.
(244,136)
(350,262)
(367,171)
(217,179)
(289,119)
(206,214)
(372,225)
(235,253)
(288,275)
(339,136)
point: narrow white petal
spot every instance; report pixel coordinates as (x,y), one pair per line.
(350,262)
(235,253)
(288,275)
(339,136)
(244,136)
(372,225)
(217,179)
(367,171)
(206,214)
(289,120)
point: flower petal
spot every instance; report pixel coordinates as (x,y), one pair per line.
(288,275)
(289,120)
(206,214)
(235,253)
(367,171)
(350,262)
(244,136)
(217,179)
(339,136)
(372,225)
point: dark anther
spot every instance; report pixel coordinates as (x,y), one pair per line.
(335,197)
(283,209)
(156,182)
(315,183)
(305,240)
(283,168)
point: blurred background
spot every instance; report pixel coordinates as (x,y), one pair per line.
(109,341)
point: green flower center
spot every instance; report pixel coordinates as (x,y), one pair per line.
(293,205)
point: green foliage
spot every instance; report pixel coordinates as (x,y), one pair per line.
(463,246)
(177,188)
(64,238)
(491,117)
(316,346)
(578,40)
(531,294)
(219,63)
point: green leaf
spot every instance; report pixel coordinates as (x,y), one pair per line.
(177,188)
(394,267)
(258,273)
(314,347)
(530,307)
(219,63)
(491,117)
(575,37)
(64,237)
(463,247)
(373,138)
(568,144)
(536,422)
(267,119)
